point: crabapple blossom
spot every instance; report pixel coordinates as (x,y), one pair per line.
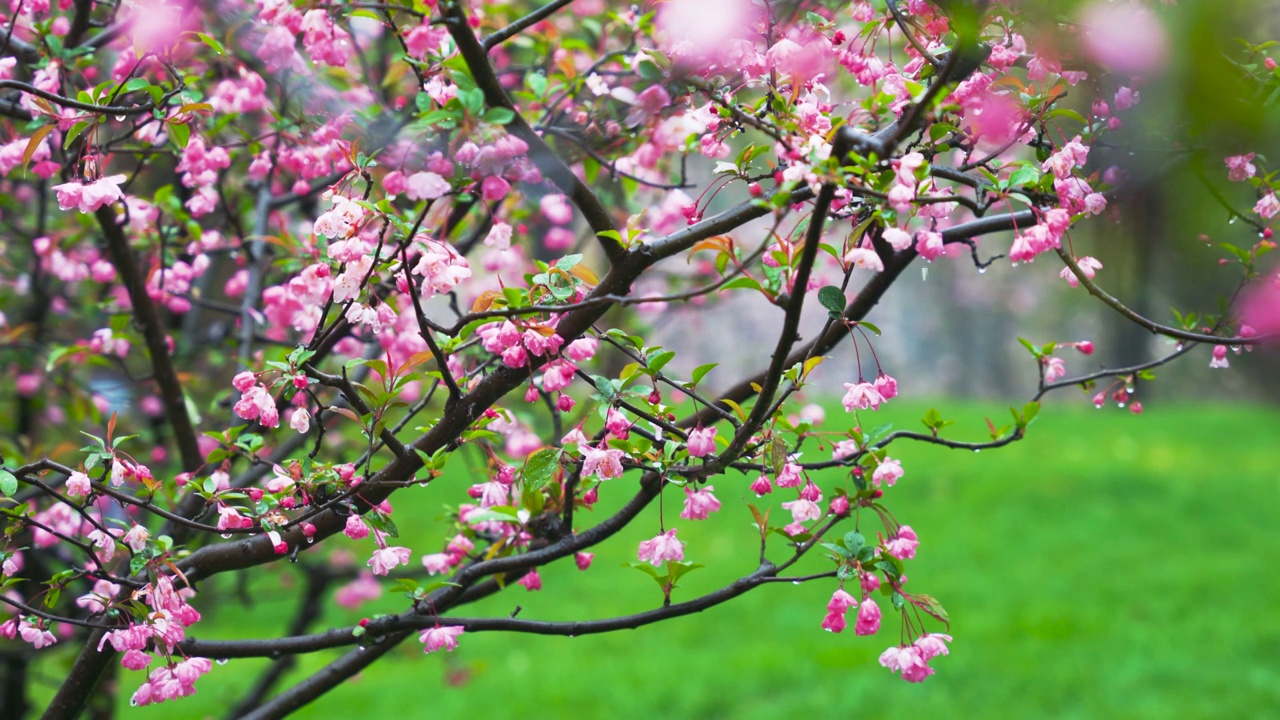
(700,503)
(440,638)
(661,548)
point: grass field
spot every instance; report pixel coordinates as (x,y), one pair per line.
(1107,566)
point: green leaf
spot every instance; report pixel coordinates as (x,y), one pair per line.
(1030,346)
(649,71)
(604,386)
(854,541)
(832,299)
(678,570)
(537,82)
(8,483)
(838,550)
(1025,175)
(701,372)
(541,467)
(136,84)
(212,42)
(742,282)
(180,133)
(1030,410)
(499,116)
(659,361)
(930,604)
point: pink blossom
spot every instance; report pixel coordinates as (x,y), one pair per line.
(1219,357)
(384,559)
(1267,206)
(531,580)
(844,448)
(78,484)
(35,634)
(1126,97)
(864,258)
(359,591)
(87,198)
(887,386)
(1088,265)
(583,560)
(229,518)
(96,600)
(425,186)
(661,548)
(868,618)
(887,472)
(440,638)
(1240,167)
(617,424)
(1125,37)
(698,504)
(903,545)
(790,476)
(135,659)
(834,622)
(931,645)
(581,349)
(437,563)
(136,538)
(603,462)
(702,441)
(1054,369)
(300,420)
(929,244)
(761,486)
(1260,306)
(897,238)
(862,396)
(841,601)
(839,505)
(870,582)
(803,510)
(356,529)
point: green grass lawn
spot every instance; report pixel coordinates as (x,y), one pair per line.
(1107,566)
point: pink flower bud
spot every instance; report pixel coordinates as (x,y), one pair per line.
(839,505)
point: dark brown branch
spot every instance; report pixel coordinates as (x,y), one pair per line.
(144,311)
(500,36)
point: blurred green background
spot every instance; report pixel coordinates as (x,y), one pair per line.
(1109,565)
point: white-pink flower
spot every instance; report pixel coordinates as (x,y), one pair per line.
(78,484)
(887,472)
(1088,265)
(903,545)
(603,462)
(440,638)
(862,396)
(426,186)
(1267,206)
(702,441)
(698,504)
(1240,167)
(384,559)
(661,548)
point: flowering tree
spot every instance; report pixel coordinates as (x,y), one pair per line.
(279,262)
